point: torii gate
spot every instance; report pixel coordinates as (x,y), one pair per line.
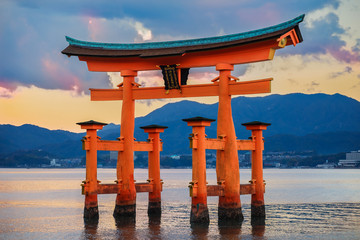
(223,52)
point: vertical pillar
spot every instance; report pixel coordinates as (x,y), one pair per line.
(257,199)
(126,198)
(91,211)
(154,207)
(227,162)
(199,209)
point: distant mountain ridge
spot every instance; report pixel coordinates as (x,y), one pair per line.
(296,114)
(299,121)
(27,137)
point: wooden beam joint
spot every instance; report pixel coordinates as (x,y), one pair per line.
(108,145)
(197,90)
(114,188)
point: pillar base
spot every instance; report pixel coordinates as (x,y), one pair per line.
(230,216)
(124,211)
(154,220)
(257,211)
(125,222)
(91,214)
(154,209)
(257,221)
(199,214)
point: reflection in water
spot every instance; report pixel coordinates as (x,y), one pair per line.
(32,209)
(199,231)
(90,230)
(258,227)
(126,228)
(154,227)
(230,230)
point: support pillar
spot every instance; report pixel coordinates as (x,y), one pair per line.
(257,199)
(198,191)
(126,198)
(227,162)
(91,212)
(154,207)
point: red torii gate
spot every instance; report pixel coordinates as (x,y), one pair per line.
(222,52)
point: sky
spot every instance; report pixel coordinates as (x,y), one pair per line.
(41,86)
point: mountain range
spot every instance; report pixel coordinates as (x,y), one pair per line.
(317,122)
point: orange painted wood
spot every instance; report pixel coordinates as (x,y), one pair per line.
(218,190)
(247,189)
(143,146)
(215,144)
(113,188)
(91,199)
(144,187)
(106,145)
(154,164)
(198,188)
(108,188)
(227,162)
(215,190)
(212,190)
(257,199)
(106,94)
(293,36)
(199,90)
(199,164)
(255,52)
(250,87)
(85,144)
(125,163)
(245,145)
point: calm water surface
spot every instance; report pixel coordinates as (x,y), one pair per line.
(301,204)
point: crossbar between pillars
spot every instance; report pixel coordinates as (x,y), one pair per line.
(91,187)
(199,190)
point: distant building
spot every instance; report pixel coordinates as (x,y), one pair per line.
(113,155)
(326,165)
(54,164)
(352,159)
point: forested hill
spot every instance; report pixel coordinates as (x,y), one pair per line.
(319,122)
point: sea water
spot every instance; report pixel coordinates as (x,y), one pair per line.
(300,204)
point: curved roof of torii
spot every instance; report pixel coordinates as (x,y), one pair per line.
(173,48)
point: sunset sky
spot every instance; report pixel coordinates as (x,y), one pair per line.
(41,86)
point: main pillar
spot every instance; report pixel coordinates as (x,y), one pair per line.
(154,207)
(199,210)
(126,198)
(257,199)
(91,211)
(227,163)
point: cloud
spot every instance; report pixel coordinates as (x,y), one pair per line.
(144,34)
(323,32)
(32,40)
(320,35)
(196,18)
(347,70)
(356,47)
(32,33)
(5,93)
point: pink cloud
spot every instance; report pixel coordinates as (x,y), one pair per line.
(61,77)
(9,84)
(7,88)
(344,55)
